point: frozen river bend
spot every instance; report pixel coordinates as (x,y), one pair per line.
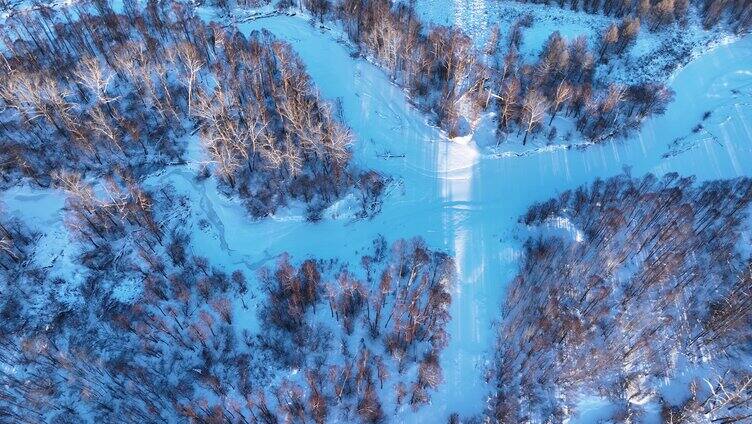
(453,195)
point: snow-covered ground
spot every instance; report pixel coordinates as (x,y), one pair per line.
(477,17)
(450,194)
(654,57)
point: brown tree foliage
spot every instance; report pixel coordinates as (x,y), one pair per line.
(649,279)
(104,90)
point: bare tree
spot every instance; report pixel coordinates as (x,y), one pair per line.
(562,94)
(533,109)
(191,64)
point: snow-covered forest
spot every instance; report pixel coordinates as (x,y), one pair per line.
(288,211)
(653,282)
(129,90)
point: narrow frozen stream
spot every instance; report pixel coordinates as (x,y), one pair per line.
(455,197)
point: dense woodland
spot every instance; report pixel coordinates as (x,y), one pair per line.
(74,350)
(15,242)
(446,75)
(657,284)
(439,66)
(737,14)
(362,346)
(106,90)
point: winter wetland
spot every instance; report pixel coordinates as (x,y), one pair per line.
(327,211)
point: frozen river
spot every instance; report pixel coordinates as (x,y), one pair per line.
(456,197)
